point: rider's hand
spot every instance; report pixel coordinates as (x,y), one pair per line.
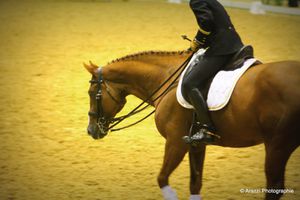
(195,45)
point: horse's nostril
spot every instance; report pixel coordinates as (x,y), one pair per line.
(93,131)
(89,131)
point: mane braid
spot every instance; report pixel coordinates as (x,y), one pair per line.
(137,55)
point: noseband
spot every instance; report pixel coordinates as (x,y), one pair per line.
(102,121)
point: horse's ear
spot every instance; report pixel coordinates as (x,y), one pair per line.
(92,68)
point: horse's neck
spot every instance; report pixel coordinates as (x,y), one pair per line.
(141,78)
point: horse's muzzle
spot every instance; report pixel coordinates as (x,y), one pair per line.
(97,131)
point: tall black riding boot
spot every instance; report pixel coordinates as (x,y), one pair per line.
(206,129)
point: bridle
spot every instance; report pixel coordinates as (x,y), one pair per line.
(102,120)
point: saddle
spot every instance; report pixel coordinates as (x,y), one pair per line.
(238,59)
(246,52)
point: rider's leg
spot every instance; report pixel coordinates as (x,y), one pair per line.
(196,99)
(196,79)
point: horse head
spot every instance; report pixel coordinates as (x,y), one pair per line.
(106,100)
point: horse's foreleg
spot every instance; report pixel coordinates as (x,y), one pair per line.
(175,150)
(277,154)
(196,157)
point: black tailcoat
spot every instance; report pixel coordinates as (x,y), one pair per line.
(215,28)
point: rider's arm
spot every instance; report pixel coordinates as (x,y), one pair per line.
(204,19)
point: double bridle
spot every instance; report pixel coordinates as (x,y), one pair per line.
(102,120)
(104,123)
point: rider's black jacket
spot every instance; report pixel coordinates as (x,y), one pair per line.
(215,28)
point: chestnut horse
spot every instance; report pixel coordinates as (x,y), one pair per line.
(264,108)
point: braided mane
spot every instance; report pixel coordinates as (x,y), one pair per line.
(145,53)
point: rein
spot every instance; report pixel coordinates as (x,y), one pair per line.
(102,120)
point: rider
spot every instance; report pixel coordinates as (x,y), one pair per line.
(216,34)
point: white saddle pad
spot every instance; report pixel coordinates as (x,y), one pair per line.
(221,87)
